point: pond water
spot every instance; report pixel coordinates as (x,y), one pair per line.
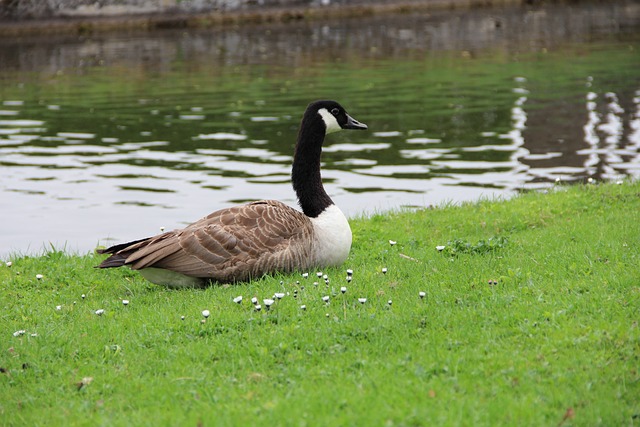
(109,137)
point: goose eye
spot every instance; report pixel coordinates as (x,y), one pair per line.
(335,112)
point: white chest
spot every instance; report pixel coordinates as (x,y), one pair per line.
(332,237)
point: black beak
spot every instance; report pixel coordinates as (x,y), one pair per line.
(354,124)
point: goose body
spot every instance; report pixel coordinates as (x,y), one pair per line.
(247,241)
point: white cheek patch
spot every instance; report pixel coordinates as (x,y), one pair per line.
(329,120)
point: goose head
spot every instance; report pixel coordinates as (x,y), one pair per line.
(335,117)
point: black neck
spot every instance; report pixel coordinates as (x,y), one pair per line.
(305,174)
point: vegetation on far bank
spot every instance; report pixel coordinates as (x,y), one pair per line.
(527,316)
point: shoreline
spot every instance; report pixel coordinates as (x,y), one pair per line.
(161,20)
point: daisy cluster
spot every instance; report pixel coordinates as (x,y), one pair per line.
(323,293)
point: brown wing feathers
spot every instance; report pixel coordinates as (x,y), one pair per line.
(252,238)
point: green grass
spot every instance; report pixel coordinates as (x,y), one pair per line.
(554,342)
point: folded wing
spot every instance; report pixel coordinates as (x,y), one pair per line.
(228,245)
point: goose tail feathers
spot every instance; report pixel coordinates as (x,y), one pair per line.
(116,259)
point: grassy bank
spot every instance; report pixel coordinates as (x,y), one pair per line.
(529,317)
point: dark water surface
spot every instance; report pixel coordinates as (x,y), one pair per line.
(110,137)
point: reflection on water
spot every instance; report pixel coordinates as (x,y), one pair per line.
(115,136)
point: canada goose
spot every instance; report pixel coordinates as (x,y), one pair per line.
(248,241)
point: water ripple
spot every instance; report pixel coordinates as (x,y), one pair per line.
(115,150)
